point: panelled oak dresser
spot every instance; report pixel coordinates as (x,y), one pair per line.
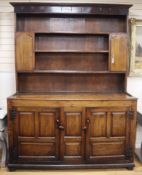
(71,108)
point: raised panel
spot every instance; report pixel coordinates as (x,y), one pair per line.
(36,149)
(47,124)
(73,123)
(118,125)
(26,124)
(107,149)
(98,124)
(72,149)
(24,51)
(118,52)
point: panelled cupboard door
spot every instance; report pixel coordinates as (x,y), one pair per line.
(36,136)
(73,134)
(107,134)
(24,51)
(118,52)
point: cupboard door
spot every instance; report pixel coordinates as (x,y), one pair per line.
(118,52)
(24,51)
(36,136)
(73,135)
(48,133)
(107,138)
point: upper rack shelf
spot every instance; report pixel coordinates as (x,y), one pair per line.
(71,33)
(71,51)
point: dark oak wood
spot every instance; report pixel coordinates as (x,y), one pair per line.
(77,43)
(77,25)
(12,167)
(71,109)
(70,8)
(71,82)
(67,61)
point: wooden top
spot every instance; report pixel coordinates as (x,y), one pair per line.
(71,8)
(74,96)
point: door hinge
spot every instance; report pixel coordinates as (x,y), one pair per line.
(130,114)
(13,113)
(128,153)
(14,152)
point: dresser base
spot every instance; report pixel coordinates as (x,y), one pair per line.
(13,167)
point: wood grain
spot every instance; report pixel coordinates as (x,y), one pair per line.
(24,51)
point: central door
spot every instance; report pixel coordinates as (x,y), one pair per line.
(73,132)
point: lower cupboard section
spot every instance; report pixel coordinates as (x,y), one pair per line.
(71,136)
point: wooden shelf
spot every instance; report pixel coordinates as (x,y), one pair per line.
(74,96)
(71,51)
(71,33)
(65,72)
(70,72)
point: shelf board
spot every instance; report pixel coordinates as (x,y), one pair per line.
(71,51)
(69,72)
(71,33)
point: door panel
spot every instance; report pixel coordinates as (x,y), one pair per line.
(73,120)
(73,123)
(72,149)
(112,128)
(119,124)
(118,52)
(107,149)
(26,124)
(47,124)
(98,124)
(36,149)
(24,51)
